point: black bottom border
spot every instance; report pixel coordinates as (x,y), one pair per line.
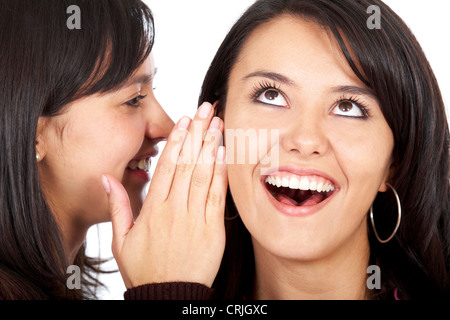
(180,310)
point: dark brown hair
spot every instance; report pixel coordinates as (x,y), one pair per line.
(44,66)
(393,65)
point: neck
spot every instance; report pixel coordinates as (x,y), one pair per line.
(341,275)
(73,244)
(73,236)
(68,216)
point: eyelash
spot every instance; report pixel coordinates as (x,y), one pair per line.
(137,99)
(364,109)
(265,85)
(261,87)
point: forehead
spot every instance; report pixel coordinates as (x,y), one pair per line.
(147,67)
(144,74)
(296,47)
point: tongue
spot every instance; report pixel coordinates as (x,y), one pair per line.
(286,200)
(311,201)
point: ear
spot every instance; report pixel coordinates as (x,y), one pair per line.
(40,140)
(390,173)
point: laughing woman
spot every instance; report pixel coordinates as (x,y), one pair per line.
(78,118)
(358,174)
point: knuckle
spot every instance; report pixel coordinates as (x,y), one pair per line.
(214,199)
(184,167)
(221,172)
(114,210)
(199,180)
(164,168)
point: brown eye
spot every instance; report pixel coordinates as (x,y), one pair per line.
(271,94)
(345,106)
(349,108)
(272,97)
(135,102)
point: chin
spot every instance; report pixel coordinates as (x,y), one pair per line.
(293,243)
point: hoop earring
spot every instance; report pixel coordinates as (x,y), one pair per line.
(399,217)
(228,218)
(232,218)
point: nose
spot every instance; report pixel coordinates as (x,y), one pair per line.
(159,124)
(305,135)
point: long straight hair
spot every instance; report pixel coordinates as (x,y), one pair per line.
(44,65)
(393,65)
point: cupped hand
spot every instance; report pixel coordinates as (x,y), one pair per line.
(179,234)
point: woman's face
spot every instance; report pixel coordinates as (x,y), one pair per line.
(328,143)
(114,133)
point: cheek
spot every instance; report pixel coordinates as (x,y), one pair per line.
(364,157)
(242,190)
(101,147)
(251,138)
(109,152)
(248,145)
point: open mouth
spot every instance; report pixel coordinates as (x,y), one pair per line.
(140,165)
(299,191)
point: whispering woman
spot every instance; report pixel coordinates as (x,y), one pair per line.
(79,125)
(359,173)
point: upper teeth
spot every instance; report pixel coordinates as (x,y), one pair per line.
(302,183)
(143,164)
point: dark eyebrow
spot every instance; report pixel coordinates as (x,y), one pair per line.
(354,90)
(271,75)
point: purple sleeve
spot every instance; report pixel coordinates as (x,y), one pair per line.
(169,291)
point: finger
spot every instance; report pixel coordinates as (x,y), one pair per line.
(164,172)
(203,172)
(119,210)
(190,153)
(196,132)
(215,203)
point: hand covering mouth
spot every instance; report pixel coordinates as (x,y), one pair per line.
(299,190)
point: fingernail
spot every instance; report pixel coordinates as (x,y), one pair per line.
(106,185)
(221,155)
(215,123)
(184,123)
(204,110)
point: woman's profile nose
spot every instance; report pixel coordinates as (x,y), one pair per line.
(159,124)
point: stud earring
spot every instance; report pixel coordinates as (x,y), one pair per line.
(38,157)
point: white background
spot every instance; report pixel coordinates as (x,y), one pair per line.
(188,34)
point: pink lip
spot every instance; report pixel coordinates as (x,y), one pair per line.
(141,175)
(153,153)
(301,211)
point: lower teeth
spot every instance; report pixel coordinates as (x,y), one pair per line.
(137,169)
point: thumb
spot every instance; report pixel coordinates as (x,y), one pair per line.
(119,210)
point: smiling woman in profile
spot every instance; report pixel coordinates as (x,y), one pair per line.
(79,125)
